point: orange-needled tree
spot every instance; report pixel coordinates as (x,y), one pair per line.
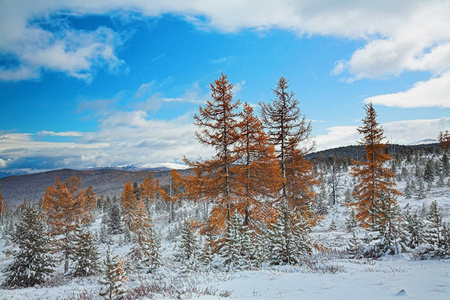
(64,206)
(444,140)
(258,173)
(375,179)
(2,209)
(217,128)
(300,180)
(128,202)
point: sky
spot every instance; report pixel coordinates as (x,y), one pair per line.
(86,84)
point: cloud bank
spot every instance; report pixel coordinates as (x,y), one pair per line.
(399,35)
(396,132)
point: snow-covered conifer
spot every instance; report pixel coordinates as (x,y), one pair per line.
(188,250)
(32,263)
(103,235)
(289,237)
(390,235)
(208,254)
(114,220)
(351,223)
(153,261)
(409,190)
(333,225)
(354,246)
(231,250)
(321,203)
(428,172)
(420,190)
(139,224)
(85,253)
(415,227)
(261,245)
(434,229)
(113,282)
(444,165)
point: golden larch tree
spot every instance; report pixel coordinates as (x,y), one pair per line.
(444,140)
(258,172)
(218,128)
(2,205)
(90,199)
(300,180)
(128,202)
(64,206)
(375,179)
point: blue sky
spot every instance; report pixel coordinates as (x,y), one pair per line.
(109,83)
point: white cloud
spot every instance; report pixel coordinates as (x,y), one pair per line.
(64,133)
(398,132)
(337,136)
(401,35)
(2,163)
(434,92)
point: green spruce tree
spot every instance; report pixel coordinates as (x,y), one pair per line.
(32,263)
(390,235)
(289,237)
(188,250)
(85,253)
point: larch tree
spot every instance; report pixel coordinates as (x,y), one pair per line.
(128,202)
(300,180)
(218,128)
(258,172)
(64,206)
(288,129)
(444,140)
(149,189)
(376,179)
(3,206)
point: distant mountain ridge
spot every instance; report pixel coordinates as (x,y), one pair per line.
(104,181)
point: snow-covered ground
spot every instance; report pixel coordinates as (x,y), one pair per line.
(321,276)
(385,279)
(354,279)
